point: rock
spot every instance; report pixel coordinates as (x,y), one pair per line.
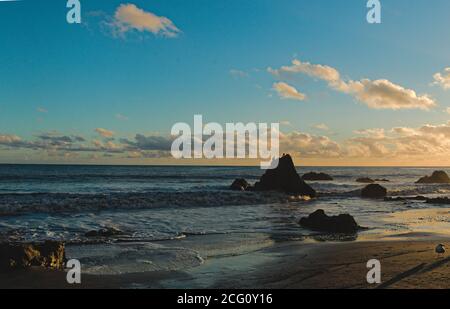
(240,185)
(50,255)
(374,191)
(382,180)
(407,198)
(284,178)
(312,176)
(105,232)
(439,200)
(440,249)
(436,177)
(365,180)
(319,221)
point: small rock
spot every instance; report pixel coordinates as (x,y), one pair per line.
(374,191)
(312,176)
(240,185)
(365,180)
(105,232)
(439,200)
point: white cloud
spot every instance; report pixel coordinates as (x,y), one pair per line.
(238,73)
(41,110)
(129,17)
(377,94)
(443,79)
(122,117)
(321,126)
(448,110)
(104,133)
(286,91)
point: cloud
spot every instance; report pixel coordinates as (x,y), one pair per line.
(443,79)
(122,117)
(376,94)
(448,110)
(41,110)
(142,142)
(238,73)
(321,126)
(128,17)
(286,91)
(104,133)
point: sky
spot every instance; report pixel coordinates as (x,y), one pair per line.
(109,90)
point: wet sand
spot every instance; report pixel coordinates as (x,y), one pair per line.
(288,265)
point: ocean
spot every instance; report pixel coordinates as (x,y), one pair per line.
(176,217)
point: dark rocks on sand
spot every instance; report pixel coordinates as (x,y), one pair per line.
(319,221)
(436,177)
(374,191)
(312,176)
(382,180)
(105,232)
(50,255)
(284,178)
(240,185)
(439,200)
(365,180)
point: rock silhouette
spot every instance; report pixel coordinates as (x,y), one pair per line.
(312,176)
(240,184)
(319,221)
(284,178)
(374,191)
(436,177)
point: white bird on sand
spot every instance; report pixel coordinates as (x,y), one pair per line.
(440,249)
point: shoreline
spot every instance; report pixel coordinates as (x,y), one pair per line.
(405,263)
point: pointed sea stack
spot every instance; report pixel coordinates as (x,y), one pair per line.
(284,178)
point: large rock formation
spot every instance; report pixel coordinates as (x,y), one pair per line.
(319,221)
(374,191)
(104,232)
(50,254)
(284,178)
(436,177)
(312,176)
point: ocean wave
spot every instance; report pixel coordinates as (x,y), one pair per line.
(23,203)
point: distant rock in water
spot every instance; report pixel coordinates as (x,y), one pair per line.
(49,255)
(436,177)
(381,180)
(406,198)
(240,185)
(312,176)
(319,221)
(105,232)
(365,180)
(284,178)
(439,200)
(374,191)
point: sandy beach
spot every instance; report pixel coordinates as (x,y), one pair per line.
(288,265)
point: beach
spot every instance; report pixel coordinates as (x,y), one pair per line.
(405,264)
(182,227)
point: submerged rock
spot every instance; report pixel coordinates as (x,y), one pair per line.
(284,178)
(436,177)
(240,185)
(374,191)
(406,198)
(365,180)
(317,177)
(50,255)
(439,200)
(105,232)
(319,221)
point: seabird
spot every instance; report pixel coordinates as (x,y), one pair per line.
(440,249)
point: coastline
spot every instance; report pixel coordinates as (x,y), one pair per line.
(406,263)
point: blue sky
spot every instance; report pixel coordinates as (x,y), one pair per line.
(61,79)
